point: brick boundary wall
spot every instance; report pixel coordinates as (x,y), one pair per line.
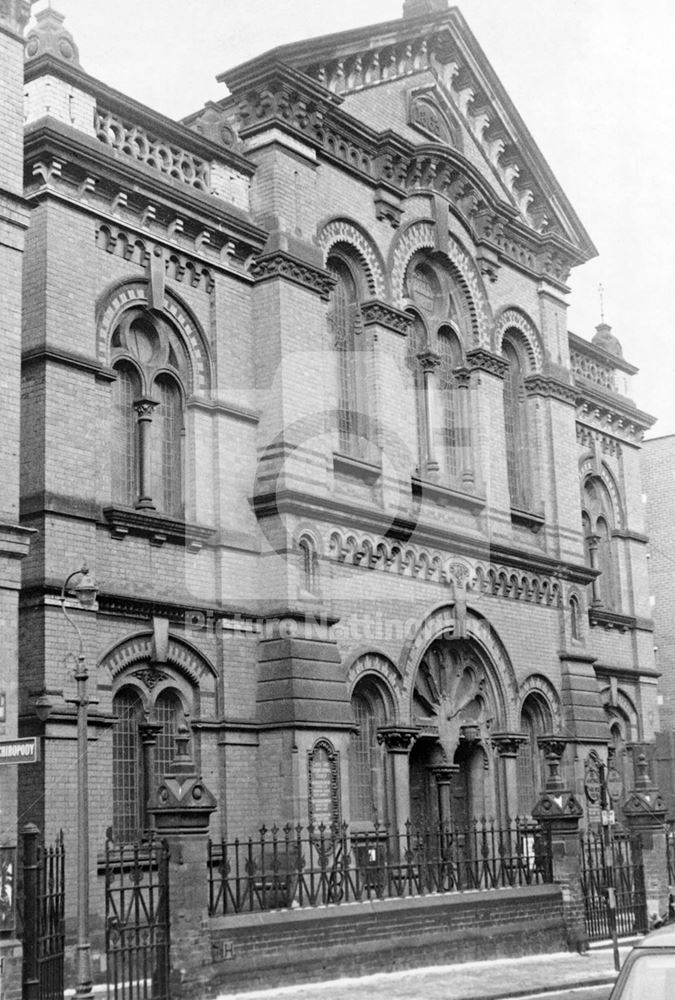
(276,948)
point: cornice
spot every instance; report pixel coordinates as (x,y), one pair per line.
(157,527)
(610,412)
(551,388)
(63,159)
(275,96)
(349,514)
(607,670)
(141,114)
(280,264)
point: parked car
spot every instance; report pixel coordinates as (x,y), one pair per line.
(649,971)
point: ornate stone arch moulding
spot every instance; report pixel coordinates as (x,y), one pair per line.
(442,623)
(591,468)
(344,231)
(422,235)
(127,294)
(511,318)
(182,657)
(363,663)
(621,706)
(538,684)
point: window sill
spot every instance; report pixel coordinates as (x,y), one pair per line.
(446,496)
(158,528)
(527,519)
(356,468)
(611,619)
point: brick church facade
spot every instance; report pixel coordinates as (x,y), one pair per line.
(298,387)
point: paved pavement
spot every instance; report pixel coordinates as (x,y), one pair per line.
(494,980)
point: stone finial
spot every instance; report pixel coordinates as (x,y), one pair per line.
(182,803)
(49,37)
(605,339)
(644,809)
(415,8)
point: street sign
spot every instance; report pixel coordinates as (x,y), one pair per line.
(22,751)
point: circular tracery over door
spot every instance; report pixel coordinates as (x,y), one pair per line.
(456,707)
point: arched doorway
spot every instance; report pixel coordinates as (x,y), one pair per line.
(455,705)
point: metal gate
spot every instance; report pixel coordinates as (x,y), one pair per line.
(43,916)
(612,873)
(137,920)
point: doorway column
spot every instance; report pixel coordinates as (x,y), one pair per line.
(444,773)
(398,741)
(507,745)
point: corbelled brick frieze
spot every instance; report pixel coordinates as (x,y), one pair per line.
(482,577)
(280,97)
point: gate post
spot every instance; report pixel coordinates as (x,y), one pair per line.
(559,812)
(31,979)
(182,807)
(645,815)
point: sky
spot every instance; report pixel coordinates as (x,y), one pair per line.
(592,79)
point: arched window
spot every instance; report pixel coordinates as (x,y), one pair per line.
(575,619)
(535,721)
(515,425)
(308,565)
(127,765)
(451,431)
(345,323)
(367,791)
(598,519)
(416,344)
(168,446)
(126,390)
(152,369)
(143,748)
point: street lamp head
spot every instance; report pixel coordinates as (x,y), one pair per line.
(86,591)
(43,706)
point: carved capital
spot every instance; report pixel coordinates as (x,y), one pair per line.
(283,265)
(374,311)
(429,360)
(507,744)
(397,739)
(481,360)
(145,408)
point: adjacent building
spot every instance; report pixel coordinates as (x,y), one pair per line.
(298,387)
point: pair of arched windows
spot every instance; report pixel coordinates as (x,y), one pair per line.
(143,747)
(148,427)
(598,521)
(439,321)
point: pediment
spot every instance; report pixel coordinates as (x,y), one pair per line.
(454,99)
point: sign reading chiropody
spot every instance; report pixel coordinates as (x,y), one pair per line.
(19,751)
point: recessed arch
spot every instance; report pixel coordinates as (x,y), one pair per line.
(182,656)
(422,235)
(515,322)
(128,294)
(344,231)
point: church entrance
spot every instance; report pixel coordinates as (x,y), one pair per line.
(456,706)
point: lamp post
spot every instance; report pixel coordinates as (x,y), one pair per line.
(85,592)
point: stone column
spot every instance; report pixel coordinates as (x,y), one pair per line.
(463,381)
(398,741)
(593,542)
(149,731)
(429,362)
(182,807)
(506,745)
(558,811)
(645,812)
(444,773)
(144,410)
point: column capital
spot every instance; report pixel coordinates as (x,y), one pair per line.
(508,744)
(429,360)
(145,407)
(444,773)
(397,739)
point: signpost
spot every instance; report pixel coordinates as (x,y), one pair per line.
(19,751)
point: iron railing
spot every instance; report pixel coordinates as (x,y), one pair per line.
(613,863)
(43,916)
(670,851)
(298,866)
